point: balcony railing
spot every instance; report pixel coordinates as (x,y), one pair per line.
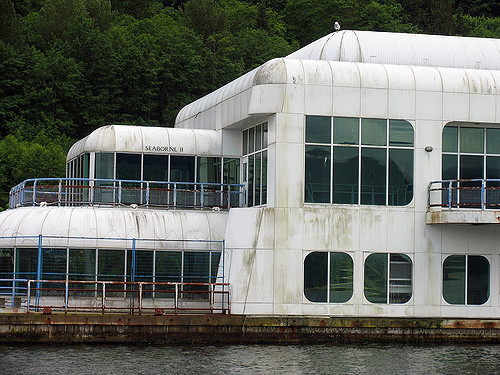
(85,191)
(116,297)
(473,193)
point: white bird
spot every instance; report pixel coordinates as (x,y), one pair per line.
(336,26)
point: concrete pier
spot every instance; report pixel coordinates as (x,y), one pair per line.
(231,329)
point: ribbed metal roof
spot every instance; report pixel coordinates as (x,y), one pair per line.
(106,226)
(127,138)
(404,49)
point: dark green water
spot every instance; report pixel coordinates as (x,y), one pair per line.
(250,359)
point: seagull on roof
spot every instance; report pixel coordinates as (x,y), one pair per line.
(336,26)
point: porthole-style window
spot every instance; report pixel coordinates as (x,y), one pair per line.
(328,277)
(466,279)
(388,278)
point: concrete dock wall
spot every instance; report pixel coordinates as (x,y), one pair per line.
(223,329)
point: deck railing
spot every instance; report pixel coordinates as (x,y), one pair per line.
(103,297)
(471,193)
(85,191)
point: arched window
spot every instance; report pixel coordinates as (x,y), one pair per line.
(388,278)
(328,277)
(466,279)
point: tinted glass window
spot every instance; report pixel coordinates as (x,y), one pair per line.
(315,276)
(155,168)
(373,132)
(341,277)
(318,129)
(346,130)
(317,170)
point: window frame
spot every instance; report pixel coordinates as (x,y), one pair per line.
(328,276)
(360,147)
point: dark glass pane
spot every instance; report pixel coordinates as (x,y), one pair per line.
(168,266)
(209,169)
(251,171)
(155,168)
(376,278)
(345,174)
(196,267)
(316,276)
(400,133)
(471,167)
(111,265)
(214,268)
(231,171)
(450,167)
(257,178)
(53,264)
(182,168)
(318,129)
(454,279)
(450,139)
(26,263)
(478,280)
(251,138)
(104,165)
(86,163)
(493,187)
(346,130)
(317,189)
(492,141)
(143,265)
(471,140)
(373,173)
(245,142)
(264,178)
(450,172)
(82,264)
(264,135)
(6,270)
(258,137)
(341,276)
(128,166)
(373,132)
(400,279)
(400,177)
(53,268)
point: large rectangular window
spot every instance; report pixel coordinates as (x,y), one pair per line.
(471,153)
(371,161)
(254,164)
(466,279)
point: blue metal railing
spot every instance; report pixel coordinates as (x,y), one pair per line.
(467,193)
(85,191)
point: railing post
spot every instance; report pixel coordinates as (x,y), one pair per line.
(103,298)
(175,194)
(28,297)
(483,194)
(201,194)
(59,193)
(140,298)
(228,196)
(34,193)
(449,194)
(119,192)
(211,298)
(38,271)
(66,296)
(132,277)
(147,193)
(91,193)
(176,300)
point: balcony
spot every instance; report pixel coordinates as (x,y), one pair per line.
(106,192)
(472,201)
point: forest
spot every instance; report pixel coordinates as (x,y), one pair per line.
(68,67)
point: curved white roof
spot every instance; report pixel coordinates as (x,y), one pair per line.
(154,140)
(107,224)
(404,49)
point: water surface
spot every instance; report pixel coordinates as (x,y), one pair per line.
(250,359)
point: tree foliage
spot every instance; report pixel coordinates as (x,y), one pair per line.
(70,66)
